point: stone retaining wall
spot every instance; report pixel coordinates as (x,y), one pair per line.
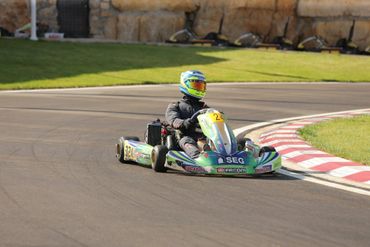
(13,14)
(156,20)
(47,13)
(334,8)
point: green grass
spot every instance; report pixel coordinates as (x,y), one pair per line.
(348,138)
(26,64)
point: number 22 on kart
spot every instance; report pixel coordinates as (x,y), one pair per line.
(216,117)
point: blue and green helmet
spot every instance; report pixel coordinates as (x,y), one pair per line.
(193,83)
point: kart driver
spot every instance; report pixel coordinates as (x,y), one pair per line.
(178,115)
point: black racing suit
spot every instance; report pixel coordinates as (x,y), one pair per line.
(178,115)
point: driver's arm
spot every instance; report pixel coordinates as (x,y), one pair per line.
(173,117)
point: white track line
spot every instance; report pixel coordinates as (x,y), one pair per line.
(325,183)
(214,84)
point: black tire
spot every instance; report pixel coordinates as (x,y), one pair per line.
(267,149)
(170,142)
(159,158)
(120,152)
(241,143)
(133,138)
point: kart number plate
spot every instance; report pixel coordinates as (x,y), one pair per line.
(129,152)
(216,117)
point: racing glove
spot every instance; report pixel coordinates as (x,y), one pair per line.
(188,123)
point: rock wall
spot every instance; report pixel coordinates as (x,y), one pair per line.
(334,8)
(150,20)
(13,14)
(161,18)
(332,19)
(156,20)
(103,19)
(264,17)
(47,14)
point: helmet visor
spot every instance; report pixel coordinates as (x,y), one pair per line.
(197,85)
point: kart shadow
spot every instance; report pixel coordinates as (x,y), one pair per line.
(270,176)
(273,176)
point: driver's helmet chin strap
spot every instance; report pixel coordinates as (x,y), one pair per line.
(191,98)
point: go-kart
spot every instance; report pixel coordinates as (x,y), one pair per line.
(222,153)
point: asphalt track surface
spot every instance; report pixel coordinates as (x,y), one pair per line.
(60,184)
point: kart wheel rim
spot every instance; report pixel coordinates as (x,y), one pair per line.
(153,158)
(118,151)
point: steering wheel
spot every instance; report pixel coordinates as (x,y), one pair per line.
(196,114)
(195,120)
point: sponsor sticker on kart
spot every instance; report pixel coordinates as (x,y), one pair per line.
(194,169)
(264,169)
(231,170)
(231,160)
(139,155)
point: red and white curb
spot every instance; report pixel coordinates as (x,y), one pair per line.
(294,149)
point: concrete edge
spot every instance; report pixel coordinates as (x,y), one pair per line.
(211,84)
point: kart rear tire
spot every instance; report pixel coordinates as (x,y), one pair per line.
(159,158)
(120,152)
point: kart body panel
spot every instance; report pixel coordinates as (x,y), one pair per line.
(138,152)
(241,163)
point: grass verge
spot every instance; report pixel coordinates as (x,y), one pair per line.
(348,138)
(25,64)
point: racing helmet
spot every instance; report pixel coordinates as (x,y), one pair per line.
(193,83)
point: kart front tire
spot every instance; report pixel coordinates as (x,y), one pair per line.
(241,143)
(267,149)
(120,148)
(159,158)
